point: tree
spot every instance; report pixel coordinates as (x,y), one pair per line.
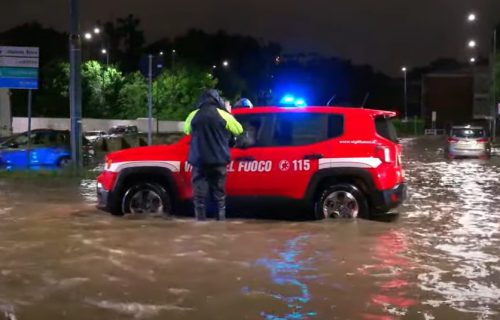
(174,93)
(101,87)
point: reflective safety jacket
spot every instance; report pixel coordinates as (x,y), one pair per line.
(211,128)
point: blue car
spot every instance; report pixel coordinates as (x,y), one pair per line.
(49,149)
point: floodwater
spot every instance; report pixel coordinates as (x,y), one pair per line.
(60,258)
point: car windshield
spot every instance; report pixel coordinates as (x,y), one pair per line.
(468,133)
(93,133)
(14,139)
(117,130)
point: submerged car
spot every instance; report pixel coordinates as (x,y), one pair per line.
(48,149)
(338,162)
(120,131)
(95,135)
(468,141)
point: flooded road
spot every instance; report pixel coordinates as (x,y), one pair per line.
(60,258)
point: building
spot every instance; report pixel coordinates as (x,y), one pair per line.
(456,96)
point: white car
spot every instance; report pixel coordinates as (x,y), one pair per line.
(95,135)
(468,141)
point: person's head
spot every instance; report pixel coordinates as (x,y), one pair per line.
(210,97)
(244,103)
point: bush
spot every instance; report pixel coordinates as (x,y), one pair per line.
(413,127)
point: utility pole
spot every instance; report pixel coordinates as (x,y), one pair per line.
(405,70)
(150,99)
(494,64)
(75,86)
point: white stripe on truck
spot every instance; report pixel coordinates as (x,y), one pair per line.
(326,163)
(174,166)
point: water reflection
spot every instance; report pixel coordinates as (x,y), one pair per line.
(391,272)
(288,271)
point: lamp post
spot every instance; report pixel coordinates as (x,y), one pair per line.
(174,53)
(404,70)
(75,86)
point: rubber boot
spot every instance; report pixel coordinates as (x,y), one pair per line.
(200,214)
(221,216)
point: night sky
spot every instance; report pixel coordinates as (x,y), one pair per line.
(382,33)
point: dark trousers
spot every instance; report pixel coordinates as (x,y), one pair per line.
(209,180)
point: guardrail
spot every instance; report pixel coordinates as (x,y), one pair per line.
(434,132)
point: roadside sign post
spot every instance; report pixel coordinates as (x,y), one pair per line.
(150,67)
(29,128)
(150,99)
(19,70)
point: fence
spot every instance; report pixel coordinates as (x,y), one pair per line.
(412,127)
(20,124)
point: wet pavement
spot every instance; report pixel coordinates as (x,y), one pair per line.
(60,258)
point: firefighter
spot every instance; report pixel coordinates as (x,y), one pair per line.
(243,103)
(211,127)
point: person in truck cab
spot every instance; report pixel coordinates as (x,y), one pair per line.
(243,103)
(211,127)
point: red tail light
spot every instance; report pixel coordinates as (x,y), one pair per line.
(483,140)
(384,154)
(452,140)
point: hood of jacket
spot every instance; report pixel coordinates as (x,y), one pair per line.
(210,98)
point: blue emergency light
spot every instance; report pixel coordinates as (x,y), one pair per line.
(289,100)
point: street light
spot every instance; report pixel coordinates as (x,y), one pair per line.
(404,70)
(97,30)
(225,64)
(173,58)
(88,36)
(161,53)
(472,44)
(214,67)
(472,60)
(106,53)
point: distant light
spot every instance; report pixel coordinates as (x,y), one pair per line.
(472,60)
(277,59)
(173,51)
(214,67)
(104,51)
(88,35)
(300,102)
(472,44)
(404,69)
(97,30)
(161,53)
(225,63)
(471,17)
(287,99)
